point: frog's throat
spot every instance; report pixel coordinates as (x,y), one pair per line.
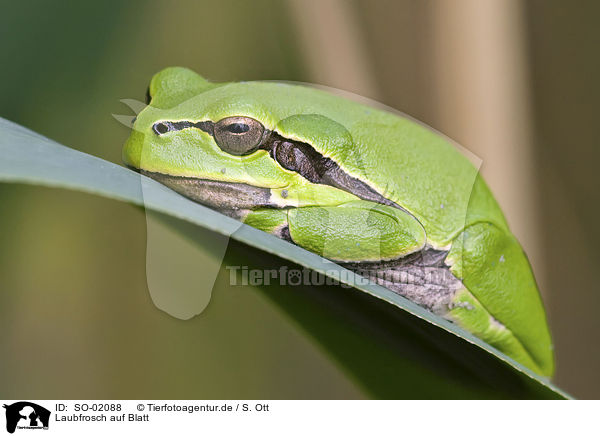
(222,196)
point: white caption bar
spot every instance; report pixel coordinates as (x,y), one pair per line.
(155,417)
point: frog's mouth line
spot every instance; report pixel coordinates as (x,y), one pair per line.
(216,194)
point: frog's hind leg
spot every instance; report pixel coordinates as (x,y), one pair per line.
(498,284)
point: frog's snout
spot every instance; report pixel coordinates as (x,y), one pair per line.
(132,149)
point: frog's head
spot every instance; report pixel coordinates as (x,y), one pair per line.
(241,145)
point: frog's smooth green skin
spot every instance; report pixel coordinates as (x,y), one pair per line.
(374,191)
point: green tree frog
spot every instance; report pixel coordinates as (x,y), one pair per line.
(376,192)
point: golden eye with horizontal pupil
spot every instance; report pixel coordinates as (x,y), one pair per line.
(238,135)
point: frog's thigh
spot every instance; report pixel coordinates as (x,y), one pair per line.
(356,231)
(500,304)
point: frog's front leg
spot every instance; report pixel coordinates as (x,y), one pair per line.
(357,231)
(382,243)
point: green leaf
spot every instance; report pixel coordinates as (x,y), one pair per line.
(387,344)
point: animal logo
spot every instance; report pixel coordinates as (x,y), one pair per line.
(25,414)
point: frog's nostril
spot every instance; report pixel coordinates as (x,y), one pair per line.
(160,128)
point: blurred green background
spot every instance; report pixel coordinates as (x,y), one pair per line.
(515,82)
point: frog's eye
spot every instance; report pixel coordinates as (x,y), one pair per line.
(238,135)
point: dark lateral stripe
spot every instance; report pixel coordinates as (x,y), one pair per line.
(162,127)
(299,157)
(313,166)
